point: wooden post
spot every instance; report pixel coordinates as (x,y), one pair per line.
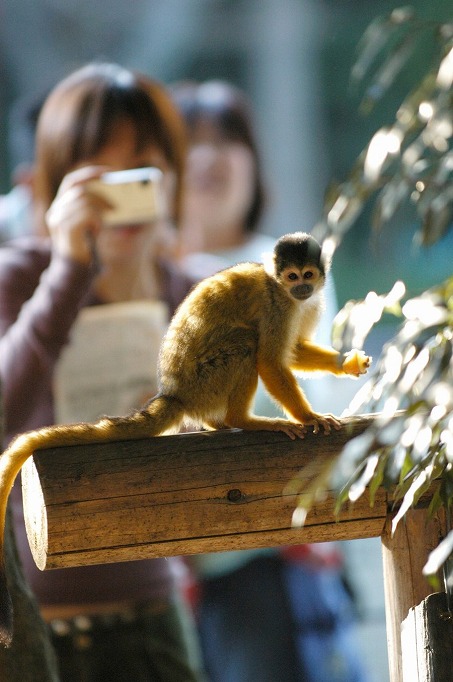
(404,556)
(427,641)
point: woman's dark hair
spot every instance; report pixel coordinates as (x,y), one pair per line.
(81,112)
(228,109)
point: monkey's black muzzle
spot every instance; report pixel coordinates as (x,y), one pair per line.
(302,291)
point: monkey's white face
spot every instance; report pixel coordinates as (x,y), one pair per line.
(301,283)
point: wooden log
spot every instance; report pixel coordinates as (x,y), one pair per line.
(427,641)
(183,494)
(404,555)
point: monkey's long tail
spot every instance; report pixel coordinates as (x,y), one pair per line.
(161,414)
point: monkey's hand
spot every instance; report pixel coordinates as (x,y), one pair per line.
(356,362)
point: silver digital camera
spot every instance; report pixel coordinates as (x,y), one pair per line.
(136,195)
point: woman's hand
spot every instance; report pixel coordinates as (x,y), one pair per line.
(74,218)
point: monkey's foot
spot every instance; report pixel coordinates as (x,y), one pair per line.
(322,421)
(292,429)
(356,362)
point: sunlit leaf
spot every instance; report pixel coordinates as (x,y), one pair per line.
(353,454)
(383,148)
(388,72)
(378,478)
(309,488)
(358,487)
(419,484)
(400,464)
(376,37)
(409,114)
(391,432)
(389,200)
(353,323)
(435,504)
(446,486)
(445,73)
(436,222)
(345,209)
(439,555)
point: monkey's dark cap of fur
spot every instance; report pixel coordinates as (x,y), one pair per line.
(298,248)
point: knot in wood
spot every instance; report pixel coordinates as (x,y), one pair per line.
(234,495)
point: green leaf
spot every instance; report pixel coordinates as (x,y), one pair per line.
(419,482)
(437,220)
(359,485)
(378,478)
(439,555)
(388,72)
(435,504)
(389,200)
(310,488)
(376,37)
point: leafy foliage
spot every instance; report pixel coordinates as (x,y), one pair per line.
(410,161)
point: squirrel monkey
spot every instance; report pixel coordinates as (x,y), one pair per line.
(239,324)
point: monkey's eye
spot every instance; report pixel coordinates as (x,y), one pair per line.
(308,274)
(293,276)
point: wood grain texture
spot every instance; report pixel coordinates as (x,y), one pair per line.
(427,641)
(184,494)
(404,555)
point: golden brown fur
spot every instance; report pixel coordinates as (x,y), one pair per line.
(233,327)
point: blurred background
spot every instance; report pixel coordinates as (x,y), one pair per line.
(293,57)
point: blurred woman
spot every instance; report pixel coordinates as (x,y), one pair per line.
(121,621)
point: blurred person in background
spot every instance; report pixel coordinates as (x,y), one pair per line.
(16,206)
(267,614)
(122,621)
